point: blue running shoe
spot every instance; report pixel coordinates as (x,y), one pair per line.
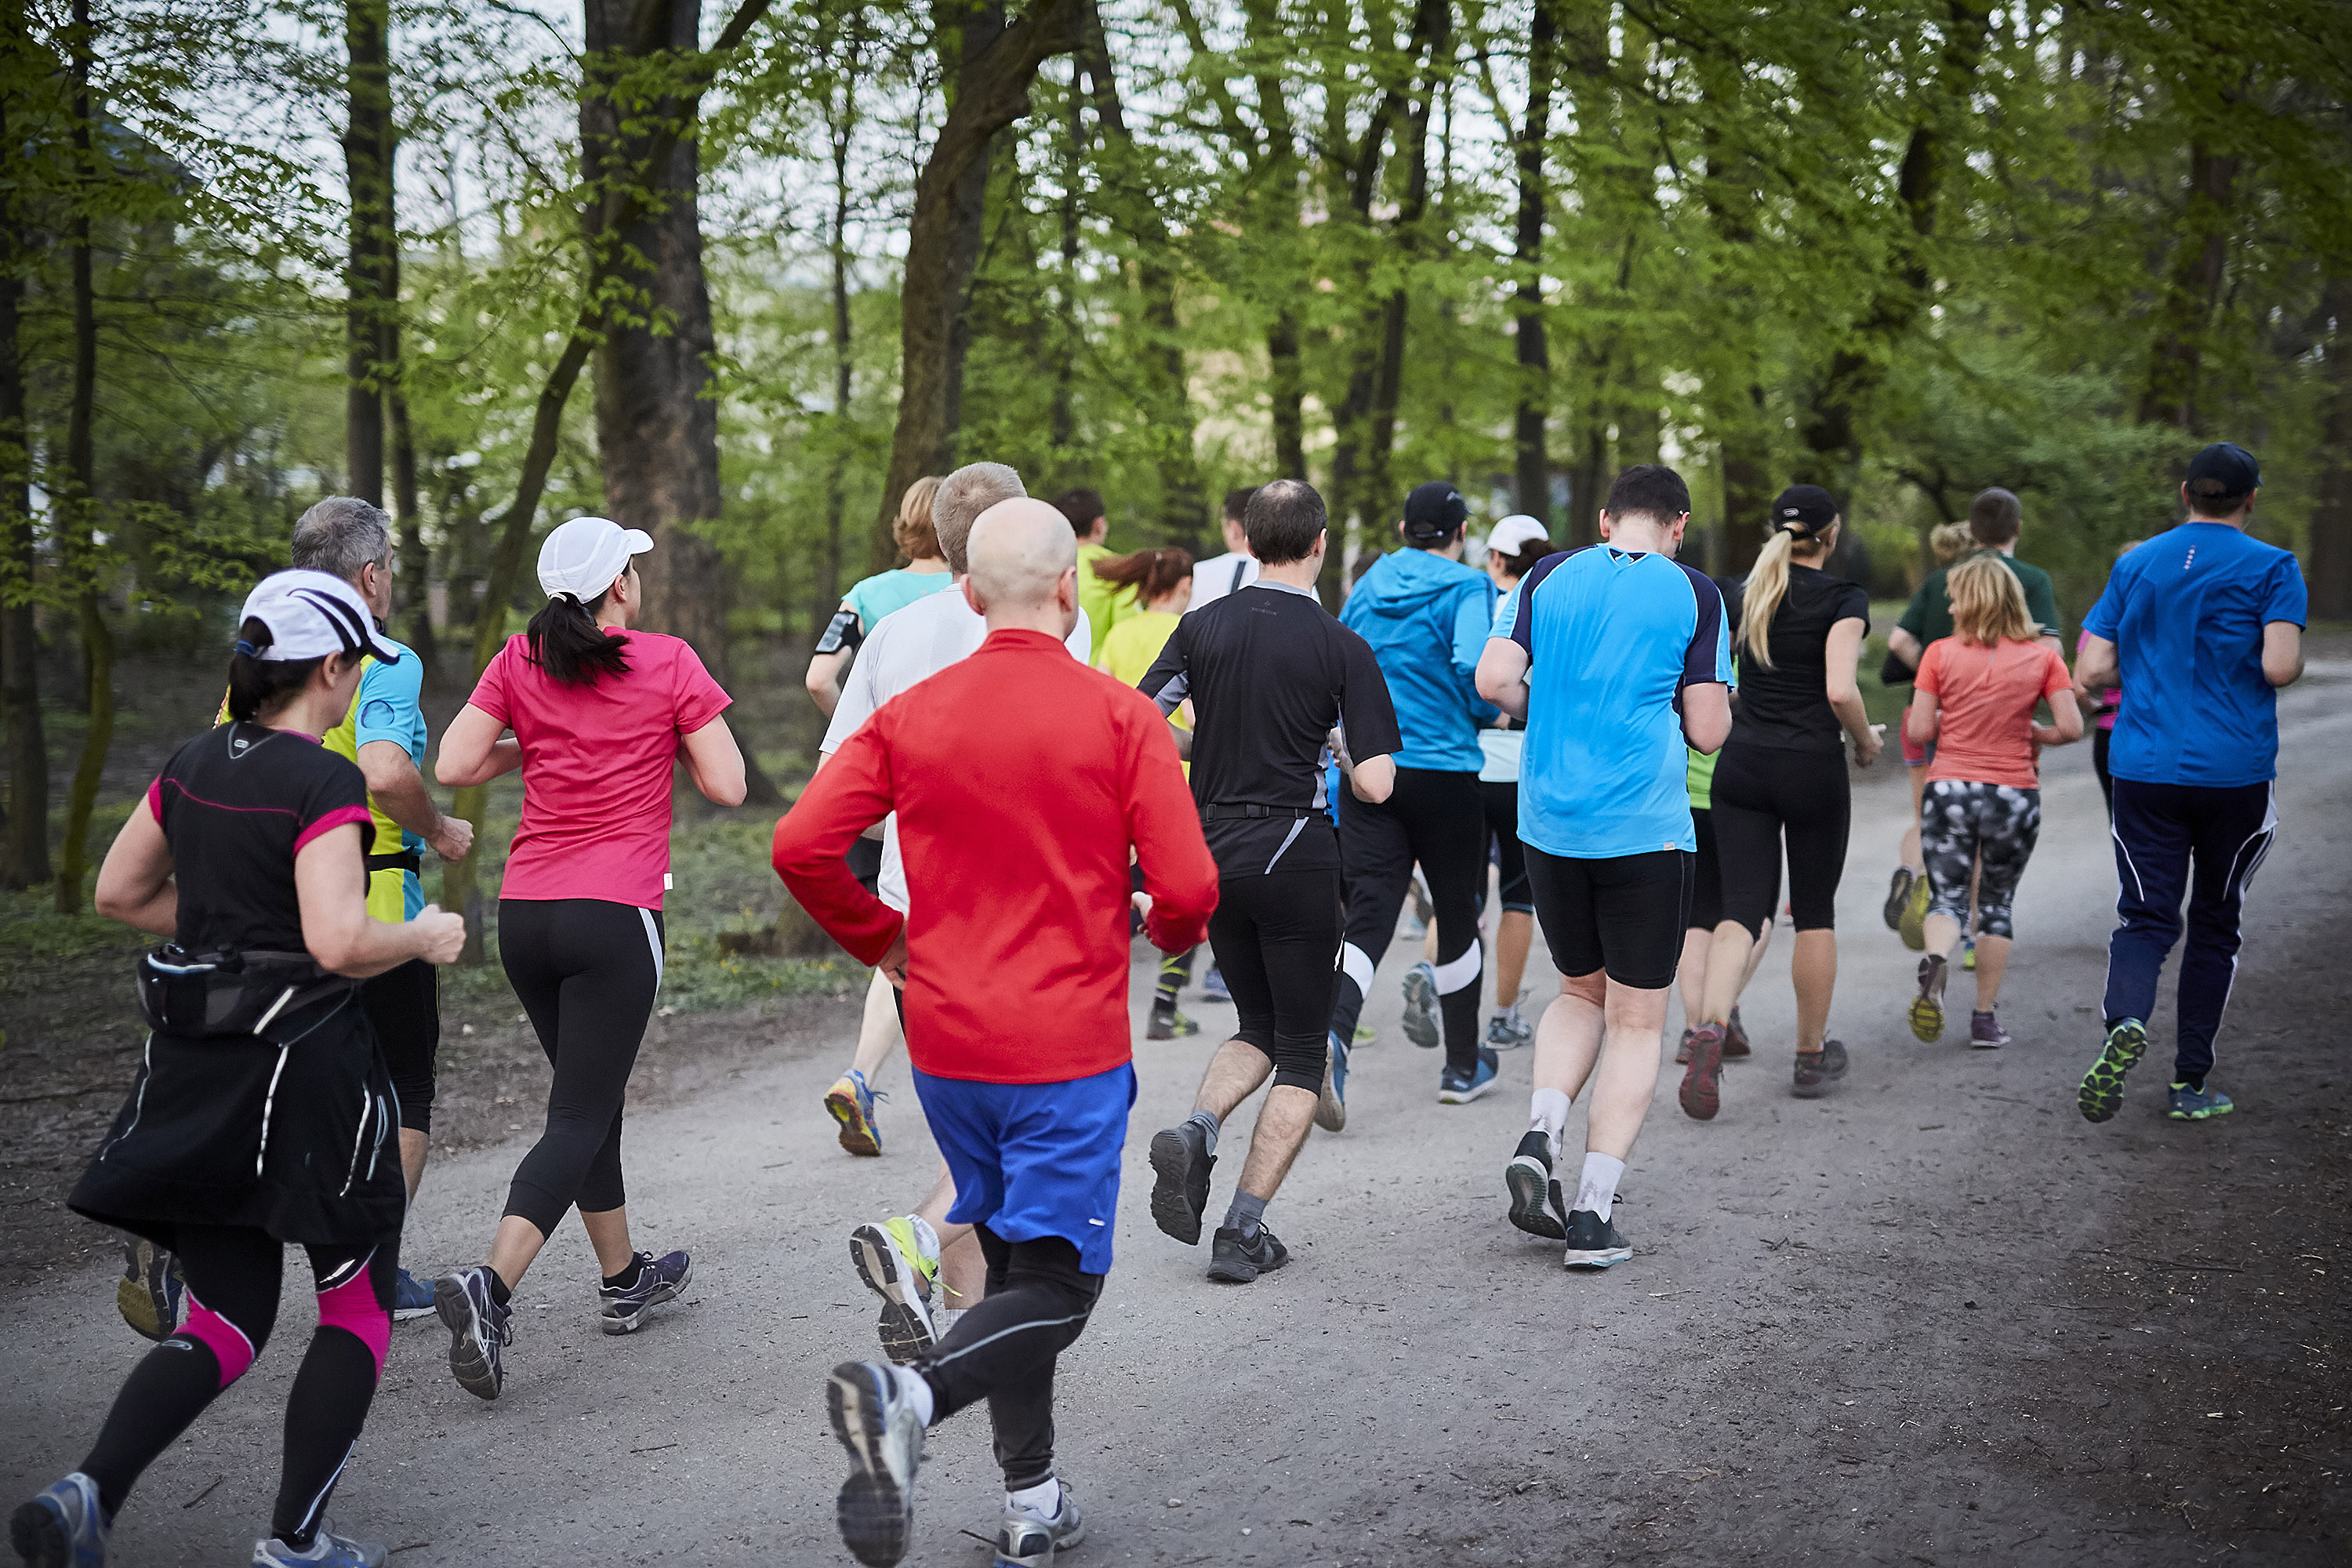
(325,1551)
(2198,1104)
(62,1528)
(411,1298)
(1213,986)
(1421,1024)
(1331,1107)
(1456,1088)
(658,1279)
(478,1329)
(850,1101)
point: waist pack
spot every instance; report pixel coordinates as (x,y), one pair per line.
(273,995)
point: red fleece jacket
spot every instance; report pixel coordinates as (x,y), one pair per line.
(1021,779)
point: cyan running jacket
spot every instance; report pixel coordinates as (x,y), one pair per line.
(1427,619)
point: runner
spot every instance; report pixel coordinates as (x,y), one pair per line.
(2201,626)
(1616,657)
(1512,552)
(1424,614)
(1105,604)
(1017,1001)
(1161,580)
(247,855)
(1272,676)
(1977,692)
(908,1260)
(1783,772)
(599,721)
(1906,895)
(1220,575)
(1707,908)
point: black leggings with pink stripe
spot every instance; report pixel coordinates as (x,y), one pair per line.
(233,1275)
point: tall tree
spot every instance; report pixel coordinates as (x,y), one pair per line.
(841,129)
(2193,285)
(25,855)
(2331,517)
(1530,347)
(369,287)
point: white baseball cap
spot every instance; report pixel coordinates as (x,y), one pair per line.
(583,557)
(309,615)
(1513,534)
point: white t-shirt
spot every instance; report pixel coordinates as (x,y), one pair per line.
(1502,748)
(903,648)
(1215,578)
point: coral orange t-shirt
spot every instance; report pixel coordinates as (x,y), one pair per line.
(1985,698)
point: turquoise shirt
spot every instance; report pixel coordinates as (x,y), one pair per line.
(879,594)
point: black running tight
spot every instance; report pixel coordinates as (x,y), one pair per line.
(1003,1350)
(586,971)
(233,1275)
(1437,818)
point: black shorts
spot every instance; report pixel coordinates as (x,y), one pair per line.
(405,1006)
(1625,914)
(1707,875)
(1763,796)
(1502,803)
(1277,939)
(864,859)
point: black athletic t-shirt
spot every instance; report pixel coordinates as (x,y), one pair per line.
(236,806)
(1787,707)
(1270,672)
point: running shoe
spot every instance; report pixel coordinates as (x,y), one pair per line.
(2189,1104)
(1927,1007)
(1593,1241)
(851,1102)
(1364,1035)
(1985,1032)
(659,1279)
(1506,1031)
(1968,953)
(1912,927)
(64,1527)
(1702,1090)
(1027,1540)
(326,1550)
(1898,894)
(1535,1202)
(1331,1104)
(1735,1037)
(411,1298)
(1816,1070)
(151,1291)
(1180,1164)
(1213,986)
(1234,1261)
(1460,1089)
(891,1261)
(1682,1052)
(1421,1022)
(2102,1091)
(1168,1024)
(872,1411)
(479,1329)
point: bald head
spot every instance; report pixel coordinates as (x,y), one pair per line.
(962,497)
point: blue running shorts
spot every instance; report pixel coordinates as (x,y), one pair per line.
(1035,1160)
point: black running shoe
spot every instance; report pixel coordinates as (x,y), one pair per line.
(1536,1203)
(1238,1262)
(478,1329)
(1816,1070)
(659,1279)
(1898,893)
(1180,1164)
(1593,1241)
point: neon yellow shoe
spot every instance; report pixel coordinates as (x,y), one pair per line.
(851,1103)
(1912,927)
(890,1257)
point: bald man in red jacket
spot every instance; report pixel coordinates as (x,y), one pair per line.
(1025,785)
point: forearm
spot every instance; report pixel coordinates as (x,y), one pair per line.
(823,681)
(373,947)
(158,914)
(400,794)
(1852,715)
(1183,739)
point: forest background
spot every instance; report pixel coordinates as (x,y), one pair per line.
(737,276)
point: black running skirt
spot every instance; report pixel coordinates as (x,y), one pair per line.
(300,1141)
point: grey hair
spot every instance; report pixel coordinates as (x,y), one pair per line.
(962,497)
(341,534)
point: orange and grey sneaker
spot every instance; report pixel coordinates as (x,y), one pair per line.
(1701,1091)
(851,1102)
(1816,1070)
(1735,1037)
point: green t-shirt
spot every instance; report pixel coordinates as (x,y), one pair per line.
(1105,604)
(1700,780)
(1928,615)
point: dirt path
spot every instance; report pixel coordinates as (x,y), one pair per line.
(1936,1319)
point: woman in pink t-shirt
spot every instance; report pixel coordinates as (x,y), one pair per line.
(1976,690)
(599,720)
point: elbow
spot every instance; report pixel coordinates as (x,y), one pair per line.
(1490,686)
(338,955)
(1375,792)
(451,772)
(1842,693)
(110,902)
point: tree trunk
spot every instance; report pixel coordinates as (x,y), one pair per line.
(1746,492)
(25,855)
(81,499)
(2193,285)
(1062,419)
(1433,34)
(1287,380)
(368,285)
(836,478)
(2331,517)
(994,68)
(1530,346)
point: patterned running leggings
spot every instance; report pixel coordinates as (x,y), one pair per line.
(1958,821)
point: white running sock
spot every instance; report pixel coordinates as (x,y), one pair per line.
(925,1237)
(1598,1190)
(1043,1500)
(1547,1114)
(916,1390)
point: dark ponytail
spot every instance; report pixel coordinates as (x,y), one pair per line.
(567,643)
(255,683)
(1521,562)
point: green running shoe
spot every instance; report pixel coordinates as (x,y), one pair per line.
(2102,1094)
(2198,1104)
(1365,1035)
(1912,927)
(1927,1007)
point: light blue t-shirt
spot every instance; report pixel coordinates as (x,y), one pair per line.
(2185,612)
(1613,636)
(884,592)
(388,708)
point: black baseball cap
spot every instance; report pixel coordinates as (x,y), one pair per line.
(1804,507)
(1434,510)
(2229,469)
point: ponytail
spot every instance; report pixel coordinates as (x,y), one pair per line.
(255,682)
(1153,573)
(566,642)
(1767,585)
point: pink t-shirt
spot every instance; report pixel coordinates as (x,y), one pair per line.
(596,768)
(1985,698)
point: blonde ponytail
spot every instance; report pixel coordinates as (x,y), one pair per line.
(1767,585)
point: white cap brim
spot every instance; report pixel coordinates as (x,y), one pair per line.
(311,615)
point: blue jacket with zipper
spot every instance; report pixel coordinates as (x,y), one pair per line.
(1427,618)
